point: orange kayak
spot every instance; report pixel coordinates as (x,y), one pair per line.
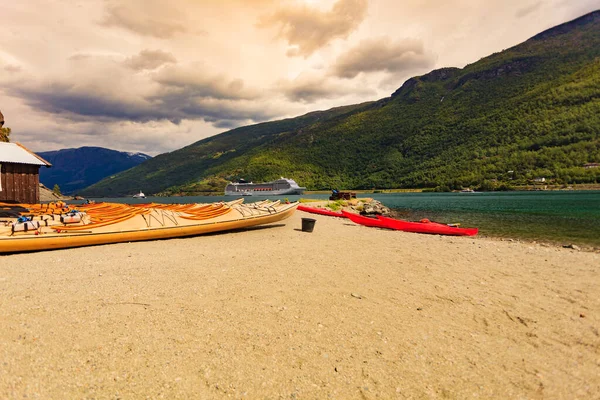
(47,233)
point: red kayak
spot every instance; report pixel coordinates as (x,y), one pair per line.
(366,221)
(424,226)
(321,211)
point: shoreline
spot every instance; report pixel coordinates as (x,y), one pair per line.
(523,188)
(345,312)
(584,244)
(542,242)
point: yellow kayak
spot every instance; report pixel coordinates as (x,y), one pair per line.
(115,223)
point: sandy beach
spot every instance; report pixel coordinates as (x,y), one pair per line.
(344,312)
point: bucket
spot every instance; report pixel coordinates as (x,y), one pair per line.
(308,224)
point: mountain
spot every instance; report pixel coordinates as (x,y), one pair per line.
(197,160)
(527,112)
(75,169)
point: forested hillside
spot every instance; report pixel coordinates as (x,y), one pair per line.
(528,112)
(198,161)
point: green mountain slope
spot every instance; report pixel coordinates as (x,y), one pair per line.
(529,111)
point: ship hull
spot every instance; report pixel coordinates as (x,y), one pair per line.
(264,193)
(280,187)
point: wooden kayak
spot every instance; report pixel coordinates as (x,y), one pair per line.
(409,226)
(321,211)
(137,224)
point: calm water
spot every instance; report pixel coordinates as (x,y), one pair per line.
(564,217)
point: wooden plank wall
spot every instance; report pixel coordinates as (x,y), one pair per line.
(20,183)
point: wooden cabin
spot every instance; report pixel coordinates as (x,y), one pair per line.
(20,174)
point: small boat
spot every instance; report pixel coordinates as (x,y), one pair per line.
(47,227)
(140,195)
(321,211)
(423,226)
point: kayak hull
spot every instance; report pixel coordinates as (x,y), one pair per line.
(130,231)
(433,228)
(321,211)
(366,221)
(427,227)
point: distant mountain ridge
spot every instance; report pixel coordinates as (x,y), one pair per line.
(74,169)
(527,112)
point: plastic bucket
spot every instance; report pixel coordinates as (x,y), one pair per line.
(308,224)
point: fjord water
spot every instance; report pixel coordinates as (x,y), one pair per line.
(562,217)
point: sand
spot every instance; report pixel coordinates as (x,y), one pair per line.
(344,312)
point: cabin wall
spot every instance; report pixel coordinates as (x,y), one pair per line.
(19,183)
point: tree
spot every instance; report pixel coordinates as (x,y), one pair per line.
(4,134)
(56,190)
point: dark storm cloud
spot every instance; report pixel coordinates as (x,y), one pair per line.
(230,113)
(309,89)
(191,82)
(226,124)
(83,103)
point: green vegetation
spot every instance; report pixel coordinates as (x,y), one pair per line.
(529,112)
(336,205)
(205,186)
(308,200)
(56,190)
(4,134)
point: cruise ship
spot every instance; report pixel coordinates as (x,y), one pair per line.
(279,187)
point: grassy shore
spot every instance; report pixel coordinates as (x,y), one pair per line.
(516,188)
(419,190)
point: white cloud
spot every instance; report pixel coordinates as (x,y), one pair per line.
(312,87)
(150,59)
(307,29)
(150,18)
(383,54)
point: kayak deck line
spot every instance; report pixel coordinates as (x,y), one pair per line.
(136,226)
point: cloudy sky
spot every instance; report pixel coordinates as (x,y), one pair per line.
(154,76)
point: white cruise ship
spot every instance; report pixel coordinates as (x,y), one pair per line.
(279,187)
